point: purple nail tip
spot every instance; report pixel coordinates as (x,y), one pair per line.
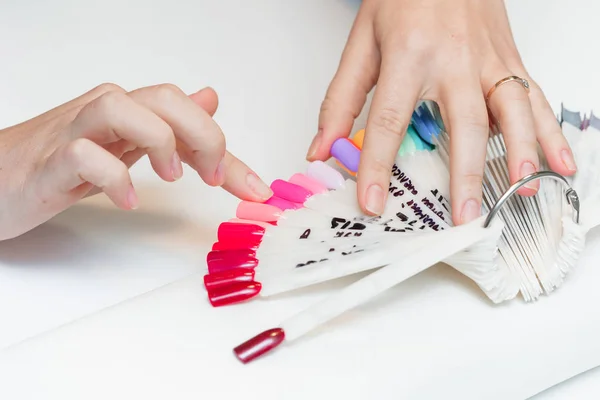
(347,153)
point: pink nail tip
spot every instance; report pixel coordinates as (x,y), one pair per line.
(257,211)
(290,191)
(260,344)
(308,183)
(282,204)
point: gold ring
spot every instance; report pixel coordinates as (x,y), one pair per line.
(522,81)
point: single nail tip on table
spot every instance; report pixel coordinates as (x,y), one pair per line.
(259,345)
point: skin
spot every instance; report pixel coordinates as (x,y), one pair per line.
(87,145)
(451,52)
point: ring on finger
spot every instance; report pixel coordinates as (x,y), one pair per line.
(523,82)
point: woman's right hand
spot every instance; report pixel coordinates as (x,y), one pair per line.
(87,145)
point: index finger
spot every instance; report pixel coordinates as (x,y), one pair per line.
(191,125)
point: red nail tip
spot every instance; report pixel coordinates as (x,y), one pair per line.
(225,264)
(234,293)
(232,232)
(259,345)
(222,260)
(224,246)
(228,278)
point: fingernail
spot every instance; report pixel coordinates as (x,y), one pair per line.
(176,167)
(567,159)
(220,173)
(132,198)
(470,211)
(314,146)
(258,186)
(374,199)
(527,169)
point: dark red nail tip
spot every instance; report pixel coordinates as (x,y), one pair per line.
(232,232)
(234,293)
(228,278)
(223,260)
(259,345)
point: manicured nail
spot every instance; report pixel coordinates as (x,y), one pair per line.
(470,211)
(314,146)
(220,173)
(176,167)
(132,198)
(374,199)
(258,186)
(527,169)
(228,278)
(358,138)
(308,183)
(241,233)
(257,211)
(327,176)
(259,345)
(283,204)
(219,261)
(290,191)
(567,159)
(233,294)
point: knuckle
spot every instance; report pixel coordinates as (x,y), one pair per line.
(388,121)
(107,87)
(472,181)
(107,103)
(418,43)
(167,91)
(76,151)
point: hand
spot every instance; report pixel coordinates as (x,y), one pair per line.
(87,145)
(451,52)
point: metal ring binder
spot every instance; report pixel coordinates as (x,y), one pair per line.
(570,194)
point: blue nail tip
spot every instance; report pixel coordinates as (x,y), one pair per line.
(421,128)
(570,117)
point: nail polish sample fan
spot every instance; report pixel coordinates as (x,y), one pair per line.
(312,230)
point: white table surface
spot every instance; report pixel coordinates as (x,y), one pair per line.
(157,336)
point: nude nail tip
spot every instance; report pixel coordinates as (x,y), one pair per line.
(257,211)
(308,183)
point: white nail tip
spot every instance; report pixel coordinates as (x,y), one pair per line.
(328,176)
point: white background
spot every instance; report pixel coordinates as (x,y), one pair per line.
(270,61)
